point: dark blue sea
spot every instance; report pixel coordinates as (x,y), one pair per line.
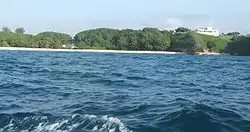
(109,92)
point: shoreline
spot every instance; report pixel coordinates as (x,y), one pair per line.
(101,51)
(209,53)
(88,50)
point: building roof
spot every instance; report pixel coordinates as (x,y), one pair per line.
(208,29)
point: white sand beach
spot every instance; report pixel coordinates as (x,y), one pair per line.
(103,51)
(88,50)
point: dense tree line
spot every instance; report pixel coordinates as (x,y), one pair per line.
(181,40)
(127,39)
(41,40)
(240,45)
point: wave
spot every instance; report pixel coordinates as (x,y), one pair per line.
(48,123)
(182,115)
(185,116)
(194,117)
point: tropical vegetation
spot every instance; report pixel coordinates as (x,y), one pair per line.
(152,39)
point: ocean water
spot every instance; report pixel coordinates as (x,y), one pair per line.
(109,92)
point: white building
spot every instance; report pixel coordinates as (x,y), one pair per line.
(208,31)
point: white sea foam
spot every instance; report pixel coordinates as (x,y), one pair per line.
(84,123)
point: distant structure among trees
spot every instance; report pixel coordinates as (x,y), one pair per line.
(208,31)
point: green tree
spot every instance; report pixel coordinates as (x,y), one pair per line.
(210,45)
(233,34)
(182,29)
(6,29)
(239,46)
(96,38)
(20,31)
(52,40)
(3,42)
(183,43)
(15,40)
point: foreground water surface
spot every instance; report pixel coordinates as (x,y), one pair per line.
(108,92)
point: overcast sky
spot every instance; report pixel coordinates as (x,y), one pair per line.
(72,16)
